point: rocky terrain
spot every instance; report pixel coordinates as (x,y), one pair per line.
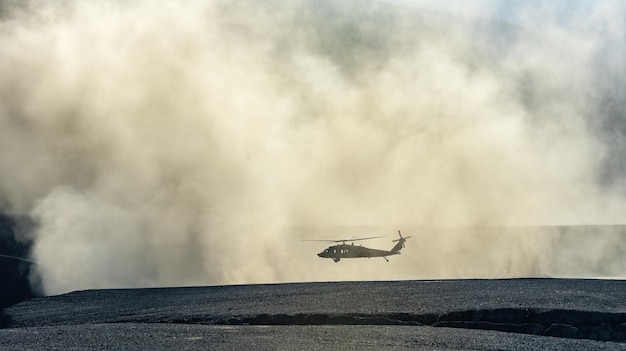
(516,314)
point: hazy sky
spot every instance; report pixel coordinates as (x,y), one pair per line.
(196,142)
(507,10)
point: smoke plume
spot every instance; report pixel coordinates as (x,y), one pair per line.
(197,142)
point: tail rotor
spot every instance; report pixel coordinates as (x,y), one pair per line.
(402,239)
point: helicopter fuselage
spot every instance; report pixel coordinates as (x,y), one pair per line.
(338,252)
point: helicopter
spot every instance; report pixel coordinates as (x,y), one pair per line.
(345,250)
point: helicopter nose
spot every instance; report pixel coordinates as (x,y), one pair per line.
(319,254)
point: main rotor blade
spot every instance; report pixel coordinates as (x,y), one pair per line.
(356,239)
(345,240)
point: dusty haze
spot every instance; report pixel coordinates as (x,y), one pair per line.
(197,142)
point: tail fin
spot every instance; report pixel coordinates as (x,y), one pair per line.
(400,245)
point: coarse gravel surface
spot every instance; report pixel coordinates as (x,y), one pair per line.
(512,314)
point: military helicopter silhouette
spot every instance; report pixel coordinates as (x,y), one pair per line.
(345,250)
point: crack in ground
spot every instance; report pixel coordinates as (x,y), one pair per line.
(557,323)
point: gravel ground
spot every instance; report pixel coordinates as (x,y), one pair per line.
(343,316)
(131,336)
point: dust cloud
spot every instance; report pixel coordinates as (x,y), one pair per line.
(197,142)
